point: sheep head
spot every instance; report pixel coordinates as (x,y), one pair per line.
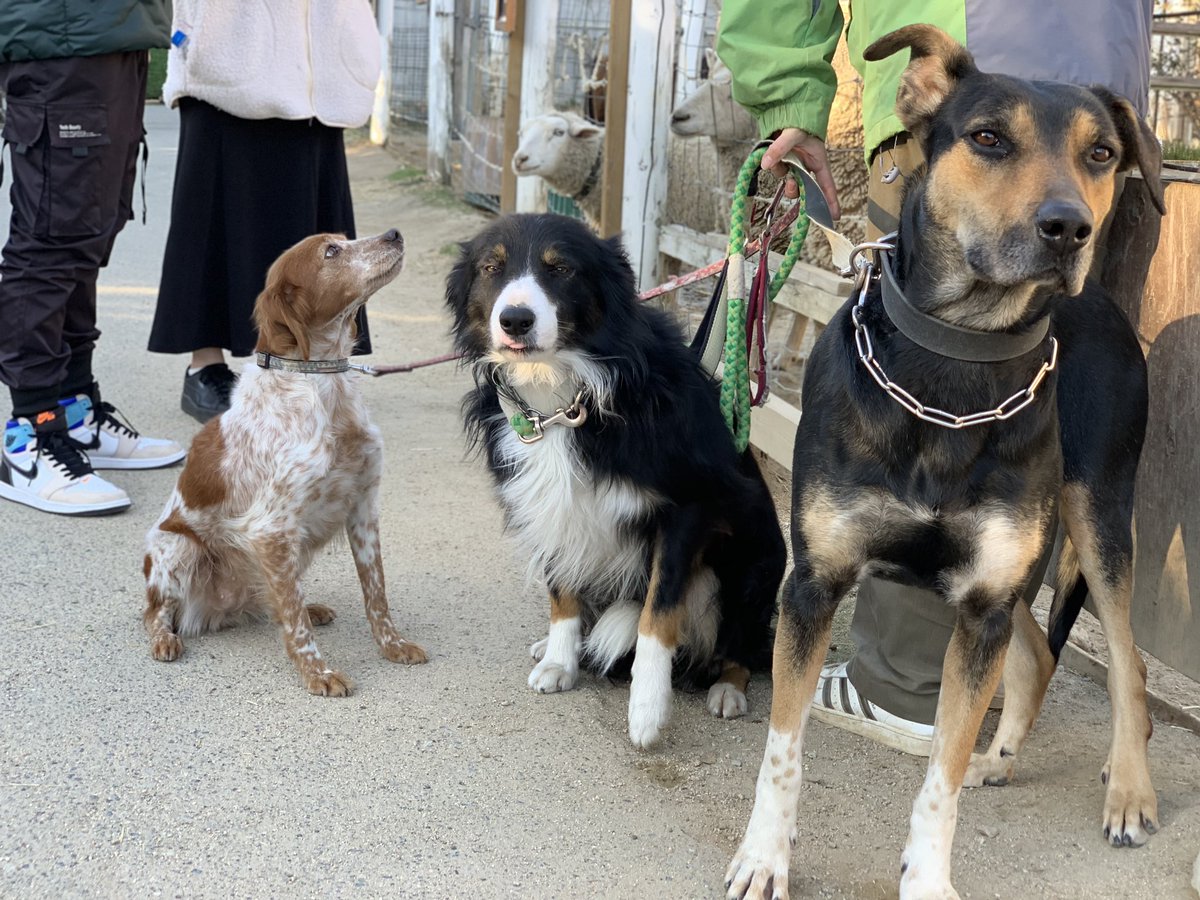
(560,147)
(710,110)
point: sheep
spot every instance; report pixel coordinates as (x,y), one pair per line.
(710,111)
(567,151)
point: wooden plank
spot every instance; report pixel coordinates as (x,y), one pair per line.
(810,291)
(1166,603)
(515,24)
(540,21)
(647,114)
(1191,29)
(773,429)
(439,91)
(620,22)
(1174,83)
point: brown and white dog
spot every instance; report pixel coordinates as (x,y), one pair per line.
(295,460)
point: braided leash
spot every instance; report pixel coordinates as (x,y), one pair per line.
(741,331)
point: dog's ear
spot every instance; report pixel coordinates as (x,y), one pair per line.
(458,287)
(1139,145)
(280,313)
(937,64)
(618,283)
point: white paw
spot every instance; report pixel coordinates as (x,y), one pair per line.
(987,769)
(759,870)
(648,716)
(538,649)
(924,880)
(726,701)
(549,677)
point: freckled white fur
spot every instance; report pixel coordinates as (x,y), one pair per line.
(766,849)
(649,691)
(930,836)
(559,667)
(525,291)
(277,433)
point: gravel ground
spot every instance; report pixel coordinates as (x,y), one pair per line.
(217,776)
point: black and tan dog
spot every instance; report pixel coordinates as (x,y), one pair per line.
(996,237)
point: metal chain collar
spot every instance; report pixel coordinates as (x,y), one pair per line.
(867,271)
(530,424)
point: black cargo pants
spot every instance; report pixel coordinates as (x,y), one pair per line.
(73,128)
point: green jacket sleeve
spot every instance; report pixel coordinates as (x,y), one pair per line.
(780,53)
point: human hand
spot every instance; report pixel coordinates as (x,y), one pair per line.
(811,151)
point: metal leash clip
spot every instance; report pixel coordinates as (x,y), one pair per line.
(572,417)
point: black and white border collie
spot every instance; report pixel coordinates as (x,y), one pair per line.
(650,532)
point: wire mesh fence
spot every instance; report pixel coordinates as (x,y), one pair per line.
(477,123)
(409,63)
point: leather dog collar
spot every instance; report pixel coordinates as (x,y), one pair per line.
(306,366)
(947,339)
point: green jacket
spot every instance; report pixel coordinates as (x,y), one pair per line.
(49,29)
(779,51)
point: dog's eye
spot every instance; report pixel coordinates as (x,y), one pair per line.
(332,250)
(985,138)
(491,268)
(560,270)
(1102,154)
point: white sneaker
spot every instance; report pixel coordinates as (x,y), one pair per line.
(837,703)
(114,444)
(41,467)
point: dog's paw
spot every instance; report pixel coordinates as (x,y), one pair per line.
(549,677)
(648,716)
(320,614)
(925,876)
(1130,809)
(759,870)
(402,651)
(166,647)
(726,701)
(537,649)
(329,684)
(984,768)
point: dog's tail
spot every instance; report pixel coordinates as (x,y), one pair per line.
(1070,590)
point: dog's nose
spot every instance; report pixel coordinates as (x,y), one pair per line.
(1064,226)
(516,320)
(392,235)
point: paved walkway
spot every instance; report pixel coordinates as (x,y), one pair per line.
(217,776)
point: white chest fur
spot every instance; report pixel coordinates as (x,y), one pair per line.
(574,531)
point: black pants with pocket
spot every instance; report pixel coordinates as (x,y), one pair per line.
(73,129)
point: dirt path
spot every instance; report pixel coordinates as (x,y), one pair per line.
(216,776)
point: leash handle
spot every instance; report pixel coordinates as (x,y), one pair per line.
(736,399)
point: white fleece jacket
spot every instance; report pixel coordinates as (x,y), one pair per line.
(277,59)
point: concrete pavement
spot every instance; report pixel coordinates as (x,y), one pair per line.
(217,776)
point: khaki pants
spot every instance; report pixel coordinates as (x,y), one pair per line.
(900,633)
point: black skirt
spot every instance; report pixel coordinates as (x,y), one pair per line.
(245,191)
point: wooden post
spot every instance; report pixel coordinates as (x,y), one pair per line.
(381,114)
(651,49)
(614,116)
(440,90)
(515,24)
(691,50)
(537,87)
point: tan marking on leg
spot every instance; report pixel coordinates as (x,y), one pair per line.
(281,571)
(362,529)
(1028,669)
(760,867)
(926,860)
(563,606)
(1130,804)
(727,695)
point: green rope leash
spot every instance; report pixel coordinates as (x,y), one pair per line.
(735,382)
